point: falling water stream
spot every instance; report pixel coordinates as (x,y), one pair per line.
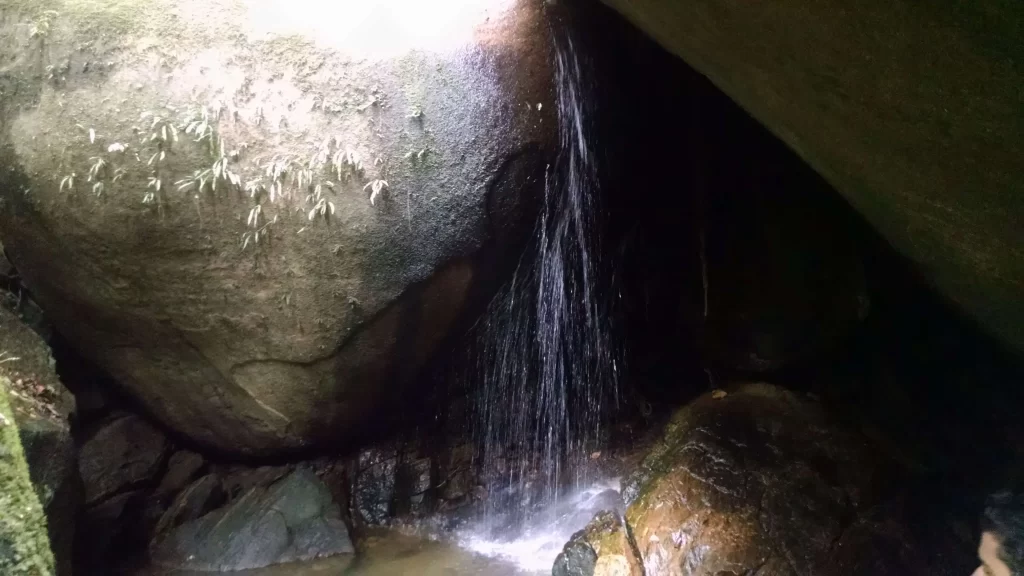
(546,372)
(548,367)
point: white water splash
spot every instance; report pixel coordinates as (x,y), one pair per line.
(535,548)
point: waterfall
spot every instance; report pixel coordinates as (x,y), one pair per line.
(547,363)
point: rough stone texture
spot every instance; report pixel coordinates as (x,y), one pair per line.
(758,480)
(603,548)
(41,408)
(124,453)
(24,545)
(910,109)
(197,499)
(182,467)
(373,485)
(304,337)
(237,480)
(292,520)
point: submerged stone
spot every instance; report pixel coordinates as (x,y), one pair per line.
(292,520)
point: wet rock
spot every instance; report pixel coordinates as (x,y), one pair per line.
(458,479)
(603,548)
(422,163)
(758,479)
(412,487)
(292,520)
(197,499)
(373,488)
(182,467)
(125,452)
(576,559)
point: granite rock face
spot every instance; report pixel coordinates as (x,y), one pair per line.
(273,228)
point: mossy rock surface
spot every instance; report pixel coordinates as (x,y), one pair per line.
(24,542)
(41,407)
(911,109)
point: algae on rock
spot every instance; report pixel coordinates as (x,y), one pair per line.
(24,544)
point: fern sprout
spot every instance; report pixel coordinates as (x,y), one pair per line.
(322,207)
(377,188)
(68,182)
(201,127)
(97,169)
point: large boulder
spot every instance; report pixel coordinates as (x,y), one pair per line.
(292,520)
(757,480)
(912,110)
(262,217)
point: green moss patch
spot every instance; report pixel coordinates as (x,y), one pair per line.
(24,544)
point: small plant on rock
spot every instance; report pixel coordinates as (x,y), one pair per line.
(221,170)
(41,26)
(68,182)
(97,168)
(154,187)
(163,133)
(197,181)
(377,188)
(323,207)
(200,126)
(346,164)
(276,171)
(98,171)
(257,230)
(415,156)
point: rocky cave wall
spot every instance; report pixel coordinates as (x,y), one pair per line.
(732,259)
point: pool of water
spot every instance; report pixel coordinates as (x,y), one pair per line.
(483,548)
(390,553)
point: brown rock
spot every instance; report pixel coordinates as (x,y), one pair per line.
(126,452)
(758,479)
(309,335)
